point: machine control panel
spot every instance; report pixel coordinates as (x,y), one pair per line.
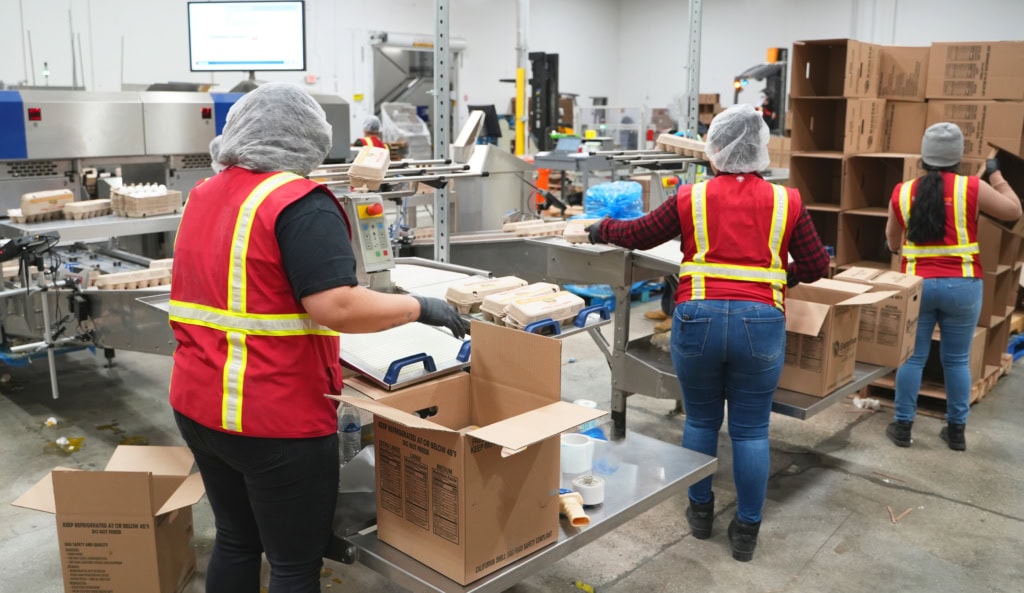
(370,232)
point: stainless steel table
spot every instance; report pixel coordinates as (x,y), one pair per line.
(639,473)
(93,229)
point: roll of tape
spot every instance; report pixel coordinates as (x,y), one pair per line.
(591,488)
(587,403)
(577,453)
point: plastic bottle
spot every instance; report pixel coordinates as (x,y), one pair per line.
(349,432)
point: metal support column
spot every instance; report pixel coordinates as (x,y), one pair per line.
(442,122)
(693,79)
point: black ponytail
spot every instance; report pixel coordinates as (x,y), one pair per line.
(927,222)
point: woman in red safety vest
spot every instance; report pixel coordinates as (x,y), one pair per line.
(264,280)
(933,224)
(729,327)
(371,134)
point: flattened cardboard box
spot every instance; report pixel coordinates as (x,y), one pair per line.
(822,325)
(467,465)
(888,329)
(125,529)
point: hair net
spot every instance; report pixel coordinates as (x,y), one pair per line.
(372,124)
(215,163)
(738,140)
(277,127)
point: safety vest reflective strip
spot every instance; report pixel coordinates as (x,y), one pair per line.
(698,269)
(235,321)
(964,247)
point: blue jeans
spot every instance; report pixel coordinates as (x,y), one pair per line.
(268,495)
(730,352)
(953,303)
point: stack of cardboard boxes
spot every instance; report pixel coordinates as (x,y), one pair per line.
(708,106)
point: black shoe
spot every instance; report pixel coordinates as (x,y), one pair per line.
(953,434)
(700,516)
(743,538)
(899,433)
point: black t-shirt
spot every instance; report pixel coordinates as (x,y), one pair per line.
(315,248)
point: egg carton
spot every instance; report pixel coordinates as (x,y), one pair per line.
(12,271)
(17,216)
(562,307)
(576,230)
(546,229)
(43,202)
(426,232)
(132,280)
(163,264)
(511,227)
(495,307)
(87,209)
(686,147)
(467,296)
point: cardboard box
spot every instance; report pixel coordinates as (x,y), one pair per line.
(834,68)
(976,70)
(472,485)
(709,99)
(819,178)
(127,528)
(870,179)
(779,151)
(865,126)
(933,366)
(827,224)
(888,329)
(903,73)
(862,239)
(1011,165)
(997,342)
(819,125)
(904,126)
(822,325)
(982,122)
(645,185)
(999,246)
(995,294)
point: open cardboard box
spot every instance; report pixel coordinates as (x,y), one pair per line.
(467,468)
(888,329)
(127,528)
(822,325)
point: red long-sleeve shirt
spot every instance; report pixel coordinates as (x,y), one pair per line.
(810,260)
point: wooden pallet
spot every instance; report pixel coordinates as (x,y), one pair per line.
(87,209)
(132,280)
(932,393)
(681,146)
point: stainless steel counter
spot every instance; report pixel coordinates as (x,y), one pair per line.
(94,229)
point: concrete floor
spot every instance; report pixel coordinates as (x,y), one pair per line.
(826,526)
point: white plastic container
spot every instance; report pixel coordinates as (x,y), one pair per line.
(369,167)
(561,306)
(468,296)
(495,306)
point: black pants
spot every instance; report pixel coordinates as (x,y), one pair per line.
(268,495)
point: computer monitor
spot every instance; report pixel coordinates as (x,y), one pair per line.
(247,36)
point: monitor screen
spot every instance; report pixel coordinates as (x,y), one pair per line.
(246,36)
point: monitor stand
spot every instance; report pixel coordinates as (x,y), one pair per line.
(247,85)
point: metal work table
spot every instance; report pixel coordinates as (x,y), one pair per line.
(93,229)
(639,473)
(637,367)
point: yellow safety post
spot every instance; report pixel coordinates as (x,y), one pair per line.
(520,111)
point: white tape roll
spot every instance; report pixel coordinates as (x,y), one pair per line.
(591,488)
(577,455)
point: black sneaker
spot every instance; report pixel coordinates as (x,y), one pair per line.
(700,517)
(899,433)
(953,434)
(743,538)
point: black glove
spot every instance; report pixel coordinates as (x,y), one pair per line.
(439,313)
(991,166)
(594,232)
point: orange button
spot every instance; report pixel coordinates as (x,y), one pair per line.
(375,209)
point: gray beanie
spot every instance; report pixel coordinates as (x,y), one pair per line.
(942,145)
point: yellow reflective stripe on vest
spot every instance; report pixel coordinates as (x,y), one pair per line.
(964,248)
(699,210)
(249,324)
(698,269)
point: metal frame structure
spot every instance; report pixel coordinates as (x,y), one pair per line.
(442,122)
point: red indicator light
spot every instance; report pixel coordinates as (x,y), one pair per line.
(207,112)
(35,114)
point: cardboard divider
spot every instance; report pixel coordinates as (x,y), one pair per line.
(996,293)
(869,180)
(862,239)
(819,125)
(819,179)
(999,247)
(996,342)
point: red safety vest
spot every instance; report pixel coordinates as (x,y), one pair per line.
(374,141)
(956,256)
(735,239)
(249,359)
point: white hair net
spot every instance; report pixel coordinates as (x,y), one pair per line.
(372,124)
(738,140)
(215,163)
(277,127)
